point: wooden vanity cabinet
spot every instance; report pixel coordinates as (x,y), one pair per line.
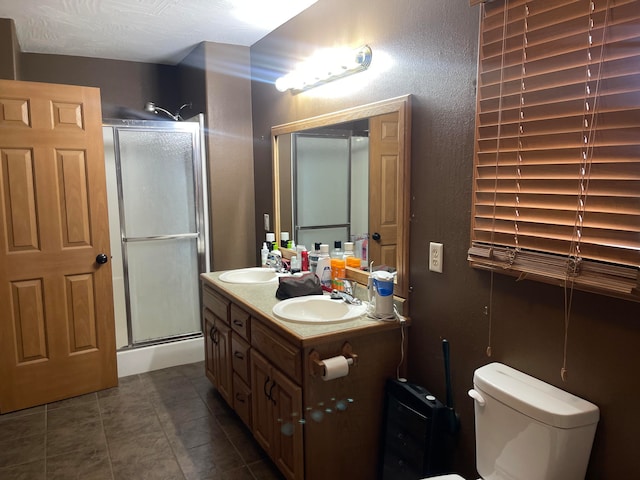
(312,429)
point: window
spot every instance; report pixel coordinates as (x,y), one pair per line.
(557,153)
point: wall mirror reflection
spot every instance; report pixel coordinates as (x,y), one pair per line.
(345,176)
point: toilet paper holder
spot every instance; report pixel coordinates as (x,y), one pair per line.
(316,365)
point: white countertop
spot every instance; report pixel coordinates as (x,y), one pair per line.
(261,298)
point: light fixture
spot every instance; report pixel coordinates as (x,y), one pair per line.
(325,66)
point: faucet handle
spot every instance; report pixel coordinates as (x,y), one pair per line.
(349,286)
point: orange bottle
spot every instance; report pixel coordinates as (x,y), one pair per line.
(337,273)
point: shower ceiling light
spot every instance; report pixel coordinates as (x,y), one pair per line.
(325,66)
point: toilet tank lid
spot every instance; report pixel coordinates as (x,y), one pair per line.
(535,398)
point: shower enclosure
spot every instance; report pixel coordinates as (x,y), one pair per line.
(156,192)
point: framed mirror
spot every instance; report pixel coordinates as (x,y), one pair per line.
(346,176)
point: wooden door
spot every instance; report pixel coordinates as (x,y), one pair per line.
(385,163)
(56,308)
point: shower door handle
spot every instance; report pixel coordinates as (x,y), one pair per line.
(101,259)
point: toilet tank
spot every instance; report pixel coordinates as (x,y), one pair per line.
(527,429)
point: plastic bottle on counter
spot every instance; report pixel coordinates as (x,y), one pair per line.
(271,238)
(295,264)
(313,258)
(337,251)
(303,255)
(276,251)
(323,269)
(338,273)
(284,239)
(349,256)
(264,252)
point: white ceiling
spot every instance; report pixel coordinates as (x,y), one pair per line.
(154,31)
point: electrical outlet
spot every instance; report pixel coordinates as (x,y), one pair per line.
(266,222)
(435,257)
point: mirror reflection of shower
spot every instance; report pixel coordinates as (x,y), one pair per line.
(153,108)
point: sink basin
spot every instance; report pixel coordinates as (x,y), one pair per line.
(317,309)
(249,275)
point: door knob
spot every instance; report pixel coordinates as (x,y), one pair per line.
(101,259)
(376,236)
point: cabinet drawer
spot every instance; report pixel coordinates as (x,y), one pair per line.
(240,357)
(216,303)
(240,321)
(242,399)
(282,354)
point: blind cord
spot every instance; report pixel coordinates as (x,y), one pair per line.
(590,121)
(495,189)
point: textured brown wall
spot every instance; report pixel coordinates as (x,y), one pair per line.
(230,152)
(433,45)
(124,86)
(9,50)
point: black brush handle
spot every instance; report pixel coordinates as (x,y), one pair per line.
(447,372)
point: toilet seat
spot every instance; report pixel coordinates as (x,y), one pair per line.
(451,476)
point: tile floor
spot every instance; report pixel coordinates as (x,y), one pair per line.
(168,424)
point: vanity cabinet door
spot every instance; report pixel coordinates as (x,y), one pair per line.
(209,351)
(288,451)
(222,360)
(218,354)
(276,410)
(261,408)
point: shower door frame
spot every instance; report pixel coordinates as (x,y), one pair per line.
(195,126)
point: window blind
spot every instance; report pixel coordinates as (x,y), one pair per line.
(557,155)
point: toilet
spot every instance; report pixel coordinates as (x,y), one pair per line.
(527,429)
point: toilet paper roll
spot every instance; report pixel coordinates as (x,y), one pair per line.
(335,367)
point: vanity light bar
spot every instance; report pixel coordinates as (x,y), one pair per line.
(325,66)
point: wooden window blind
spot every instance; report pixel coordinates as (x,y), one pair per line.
(557,154)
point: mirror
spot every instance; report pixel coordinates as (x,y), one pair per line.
(319,197)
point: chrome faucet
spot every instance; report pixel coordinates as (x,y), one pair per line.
(275,261)
(348,294)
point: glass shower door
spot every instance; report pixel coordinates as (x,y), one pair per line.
(160,230)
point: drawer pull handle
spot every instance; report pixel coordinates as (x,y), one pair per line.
(264,387)
(273,400)
(240,398)
(238,354)
(238,323)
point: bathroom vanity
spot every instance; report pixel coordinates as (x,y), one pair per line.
(268,370)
